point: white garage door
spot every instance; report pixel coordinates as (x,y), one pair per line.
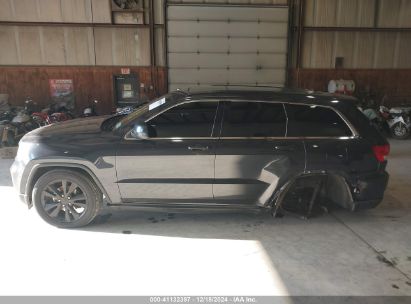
(226,45)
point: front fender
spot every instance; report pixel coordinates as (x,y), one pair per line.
(102,172)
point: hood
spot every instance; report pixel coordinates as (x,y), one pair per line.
(90,125)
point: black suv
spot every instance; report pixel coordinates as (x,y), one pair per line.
(236,150)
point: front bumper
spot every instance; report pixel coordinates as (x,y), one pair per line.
(17,171)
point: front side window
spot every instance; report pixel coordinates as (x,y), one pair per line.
(315,121)
(254,119)
(194,119)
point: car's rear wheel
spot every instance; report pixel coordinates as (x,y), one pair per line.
(66,199)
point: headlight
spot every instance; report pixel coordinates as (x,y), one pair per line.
(24,152)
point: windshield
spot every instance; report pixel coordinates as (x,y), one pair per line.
(151,106)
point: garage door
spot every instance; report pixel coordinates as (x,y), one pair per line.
(226,45)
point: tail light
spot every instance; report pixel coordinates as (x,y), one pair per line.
(381,152)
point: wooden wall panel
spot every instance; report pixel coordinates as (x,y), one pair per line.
(103,46)
(389,15)
(89,83)
(381,50)
(8,49)
(49,10)
(6,10)
(102,11)
(123,46)
(321,45)
(392,13)
(68,45)
(344,47)
(365,50)
(76,11)
(29,45)
(405,14)
(325,12)
(262,2)
(366,13)
(25,10)
(393,82)
(347,12)
(53,45)
(79,46)
(385,50)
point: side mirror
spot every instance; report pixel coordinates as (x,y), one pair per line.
(139,131)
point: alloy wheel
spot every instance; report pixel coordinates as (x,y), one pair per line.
(64,201)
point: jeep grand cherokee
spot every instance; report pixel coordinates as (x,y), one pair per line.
(228,150)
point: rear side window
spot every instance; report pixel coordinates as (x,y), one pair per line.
(254,119)
(315,121)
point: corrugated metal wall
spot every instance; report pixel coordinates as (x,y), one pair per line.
(363,48)
(89,43)
(246,2)
(68,45)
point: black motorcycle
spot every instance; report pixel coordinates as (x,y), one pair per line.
(19,123)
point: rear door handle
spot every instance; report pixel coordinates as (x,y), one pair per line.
(198,148)
(284,148)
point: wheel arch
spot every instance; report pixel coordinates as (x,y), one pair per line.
(40,169)
(336,186)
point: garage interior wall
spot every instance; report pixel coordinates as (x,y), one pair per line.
(80,39)
(65,38)
(373,38)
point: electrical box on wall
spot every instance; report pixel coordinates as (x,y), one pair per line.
(127,90)
(124,5)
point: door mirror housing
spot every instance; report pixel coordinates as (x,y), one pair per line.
(139,131)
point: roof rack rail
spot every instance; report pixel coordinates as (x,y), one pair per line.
(248,86)
(182,91)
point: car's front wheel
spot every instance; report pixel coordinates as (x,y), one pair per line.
(66,199)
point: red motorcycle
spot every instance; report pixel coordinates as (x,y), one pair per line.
(49,116)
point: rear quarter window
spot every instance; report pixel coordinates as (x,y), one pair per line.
(315,121)
(363,125)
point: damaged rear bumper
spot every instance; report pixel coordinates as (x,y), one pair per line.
(368,191)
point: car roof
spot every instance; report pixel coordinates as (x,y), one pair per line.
(265,94)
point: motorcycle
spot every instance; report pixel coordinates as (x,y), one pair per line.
(376,119)
(398,120)
(91,110)
(13,130)
(123,110)
(52,114)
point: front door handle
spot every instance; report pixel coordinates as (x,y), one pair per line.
(198,148)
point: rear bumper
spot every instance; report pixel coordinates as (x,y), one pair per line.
(363,205)
(368,191)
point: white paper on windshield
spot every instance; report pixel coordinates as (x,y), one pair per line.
(156,104)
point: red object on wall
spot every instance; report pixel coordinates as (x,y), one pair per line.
(61,87)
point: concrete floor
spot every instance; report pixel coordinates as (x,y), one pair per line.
(367,253)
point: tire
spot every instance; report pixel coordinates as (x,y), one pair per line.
(400,131)
(69,206)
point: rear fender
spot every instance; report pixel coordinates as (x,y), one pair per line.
(336,189)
